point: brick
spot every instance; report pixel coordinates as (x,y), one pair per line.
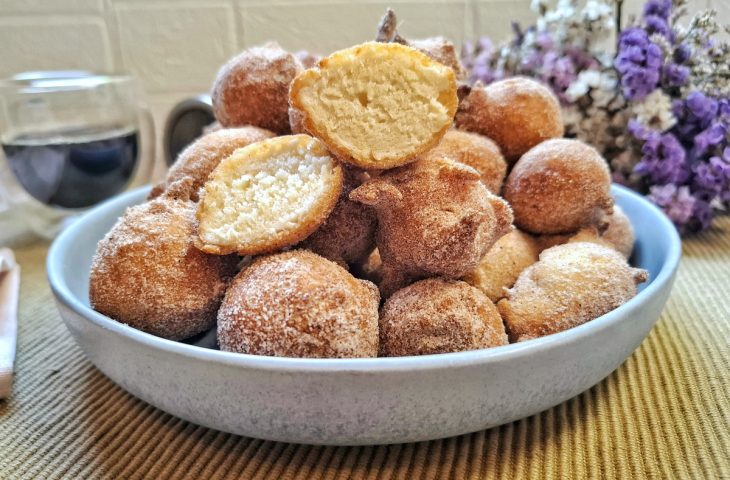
(46,7)
(174,47)
(54,42)
(323,28)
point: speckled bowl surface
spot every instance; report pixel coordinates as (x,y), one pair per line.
(359,401)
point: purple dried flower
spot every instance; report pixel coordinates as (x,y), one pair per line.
(675,75)
(659,8)
(639,63)
(677,202)
(682,53)
(710,137)
(663,159)
(658,25)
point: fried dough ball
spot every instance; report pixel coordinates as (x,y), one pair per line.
(298,304)
(620,232)
(503,263)
(308,59)
(296,121)
(558,187)
(381,116)
(570,285)
(369,268)
(517,113)
(435,218)
(439,316)
(267,196)
(441,50)
(348,234)
(147,273)
(201,157)
(474,150)
(253,88)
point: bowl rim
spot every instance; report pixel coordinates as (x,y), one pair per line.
(63,294)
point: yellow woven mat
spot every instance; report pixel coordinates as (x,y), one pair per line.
(665,413)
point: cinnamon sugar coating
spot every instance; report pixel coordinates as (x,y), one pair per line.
(201,157)
(298,304)
(570,285)
(620,233)
(253,88)
(558,187)
(503,263)
(348,234)
(517,113)
(435,218)
(439,316)
(147,273)
(478,152)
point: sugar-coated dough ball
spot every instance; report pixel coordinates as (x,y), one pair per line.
(570,285)
(435,218)
(474,150)
(147,273)
(253,88)
(267,196)
(376,105)
(558,187)
(503,263)
(620,232)
(517,113)
(194,164)
(441,50)
(298,304)
(348,234)
(439,316)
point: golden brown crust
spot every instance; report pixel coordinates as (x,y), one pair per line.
(474,150)
(147,274)
(348,234)
(377,122)
(517,113)
(439,316)
(435,218)
(253,88)
(620,232)
(570,285)
(503,263)
(273,235)
(441,50)
(558,187)
(201,157)
(298,304)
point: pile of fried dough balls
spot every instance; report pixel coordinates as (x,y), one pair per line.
(358,208)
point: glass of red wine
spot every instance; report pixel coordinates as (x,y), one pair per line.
(70,140)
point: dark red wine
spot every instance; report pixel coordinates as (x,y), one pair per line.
(74,169)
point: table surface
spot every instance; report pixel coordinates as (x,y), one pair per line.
(665,413)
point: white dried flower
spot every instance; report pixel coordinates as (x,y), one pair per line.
(655,111)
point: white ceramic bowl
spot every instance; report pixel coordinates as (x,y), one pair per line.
(359,401)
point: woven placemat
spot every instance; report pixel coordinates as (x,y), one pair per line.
(665,413)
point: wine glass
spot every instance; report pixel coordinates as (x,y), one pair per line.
(70,140)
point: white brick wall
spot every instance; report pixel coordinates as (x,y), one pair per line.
(175,47)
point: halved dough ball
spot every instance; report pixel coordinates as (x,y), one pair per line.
(503,263)
(558,187)
(439,316)
(517,113)
(298,304)
(253,88)
(475,150)
(570,285)
(376,105)
(147,273)
(194,164)
(435,218)
(267,196)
